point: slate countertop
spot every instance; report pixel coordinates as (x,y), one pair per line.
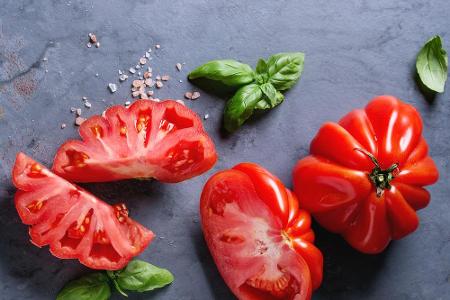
(355,50)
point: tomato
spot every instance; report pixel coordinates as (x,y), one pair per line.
(260,240)
(74,223)
(163,140)
(365,176)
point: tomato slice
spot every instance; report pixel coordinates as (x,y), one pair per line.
(74,223)
(261,242)
(164,140)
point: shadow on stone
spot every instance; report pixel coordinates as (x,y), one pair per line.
(216,283)
(347,272)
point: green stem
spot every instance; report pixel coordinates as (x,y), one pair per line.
(379,177)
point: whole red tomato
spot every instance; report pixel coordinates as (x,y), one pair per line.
(261,241)
(364,178)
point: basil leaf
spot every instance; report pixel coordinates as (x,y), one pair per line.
(432,65)
(112,275)
(264,104)
(140,276)
(90,287)
(261,66)
(228,71)
(284,69)
(271,95)
(241,106)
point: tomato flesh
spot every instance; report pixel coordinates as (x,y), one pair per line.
(74,223)
(164,140)
(253,241)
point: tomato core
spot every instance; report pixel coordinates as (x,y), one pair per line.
(379,177)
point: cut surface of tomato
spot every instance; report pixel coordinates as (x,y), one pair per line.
(74,223)
(162,140)
(261,242)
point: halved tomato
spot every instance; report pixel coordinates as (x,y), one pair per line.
(74,223)
(163,140)
(260,240)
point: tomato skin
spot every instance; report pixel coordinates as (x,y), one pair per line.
(247,210)
(333,183)
(72,222)
(162,140)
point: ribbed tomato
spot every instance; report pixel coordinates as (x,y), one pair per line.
(74,223)
(163,140)
(260,240)
(365,176)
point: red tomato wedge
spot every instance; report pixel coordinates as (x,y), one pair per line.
(164,140)
(74,223)
(260,240)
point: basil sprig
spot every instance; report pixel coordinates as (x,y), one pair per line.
(137,276)
(432,65)
(257,90)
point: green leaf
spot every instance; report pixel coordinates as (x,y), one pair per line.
(284,69)
(271,95)
(90,287)
(261,66)
(140,276)
(228,71)
(432,65)
(241,106)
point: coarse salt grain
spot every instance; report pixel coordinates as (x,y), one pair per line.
(135,94)
(195,95)
(112,87)
(149,82)
(79,121)
(137,83)
(92,38)
(123,77)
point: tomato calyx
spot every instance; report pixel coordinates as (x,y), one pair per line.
(379,177)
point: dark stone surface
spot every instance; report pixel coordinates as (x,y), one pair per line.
(354,51)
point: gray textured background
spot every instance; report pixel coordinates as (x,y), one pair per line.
(354,51)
